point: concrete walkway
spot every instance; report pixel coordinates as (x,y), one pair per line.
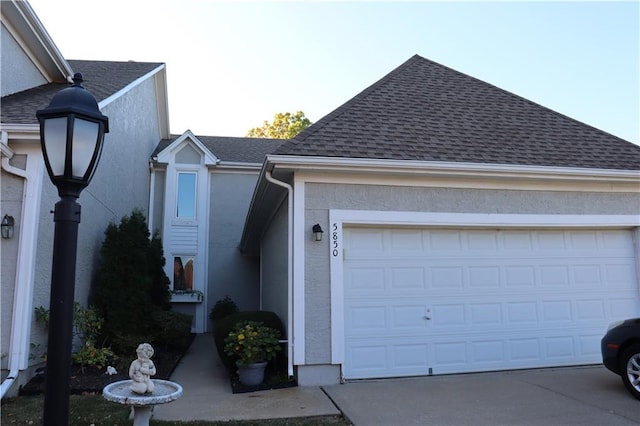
(559,396)
(207,393)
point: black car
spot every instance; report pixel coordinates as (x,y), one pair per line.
(621,352)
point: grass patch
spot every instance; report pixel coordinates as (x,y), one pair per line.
(94,410)
(83,410)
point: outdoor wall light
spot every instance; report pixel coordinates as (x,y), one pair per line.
(317,232)
(7,227)
(71,133)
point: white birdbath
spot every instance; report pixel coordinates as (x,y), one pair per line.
(120,392)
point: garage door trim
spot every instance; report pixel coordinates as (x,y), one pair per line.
(340,218)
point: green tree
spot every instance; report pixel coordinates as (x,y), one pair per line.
(284,126)
(131,284)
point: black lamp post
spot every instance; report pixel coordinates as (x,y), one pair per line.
(71,133)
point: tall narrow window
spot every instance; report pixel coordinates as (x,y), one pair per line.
(186,195)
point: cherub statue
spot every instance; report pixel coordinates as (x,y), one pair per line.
(142,369)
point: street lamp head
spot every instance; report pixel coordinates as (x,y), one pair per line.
(72,130)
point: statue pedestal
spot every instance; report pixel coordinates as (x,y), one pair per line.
(121,393)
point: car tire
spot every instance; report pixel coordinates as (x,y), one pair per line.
(630,369)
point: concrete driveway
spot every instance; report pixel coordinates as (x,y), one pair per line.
(559,396)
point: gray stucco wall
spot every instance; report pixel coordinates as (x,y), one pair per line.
(120,184)
(274,265)
(17,71)
(230,273)
(319,198)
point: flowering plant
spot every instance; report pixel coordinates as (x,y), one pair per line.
(252,342)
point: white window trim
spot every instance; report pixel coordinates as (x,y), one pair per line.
(186,220)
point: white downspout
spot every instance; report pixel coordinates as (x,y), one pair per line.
(152,186)
(289,270)
(22,303)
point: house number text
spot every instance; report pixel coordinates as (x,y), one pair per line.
(334,240)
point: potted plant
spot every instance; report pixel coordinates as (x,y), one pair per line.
(253,344)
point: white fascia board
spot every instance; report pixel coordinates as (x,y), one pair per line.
(236,167)
(106,101)
(449,169)
(162,101)
(22,132)
(25,27)
(481,220)
(166,155)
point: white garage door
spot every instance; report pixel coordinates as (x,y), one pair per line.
(433,301)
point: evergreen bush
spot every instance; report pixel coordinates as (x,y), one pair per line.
(131,284)
(223,308)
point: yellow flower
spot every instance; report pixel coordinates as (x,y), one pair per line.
(240,336)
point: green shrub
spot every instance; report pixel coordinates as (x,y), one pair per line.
(87,324)
(224,326)
(89,355)
(223,308)
(131,284)
(172,329)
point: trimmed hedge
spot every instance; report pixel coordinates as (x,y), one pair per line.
(222,327)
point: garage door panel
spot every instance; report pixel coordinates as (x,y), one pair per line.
(524,350)
(379,318)
(559,347)
(619,274)
(487,351)
(364,319)
(365,279)
(446,300)
(401,356)
(485,314)
(621,308)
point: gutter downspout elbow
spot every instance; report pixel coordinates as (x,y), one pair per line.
(289,189)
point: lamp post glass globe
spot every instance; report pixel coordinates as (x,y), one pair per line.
(72,130)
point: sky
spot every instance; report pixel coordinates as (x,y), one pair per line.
(233,65)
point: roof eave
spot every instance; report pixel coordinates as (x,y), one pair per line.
(438,168)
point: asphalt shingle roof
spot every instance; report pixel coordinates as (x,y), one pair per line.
(426,111)
(102,79)
(232,149)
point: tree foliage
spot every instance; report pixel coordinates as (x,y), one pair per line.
(131,284)
(284,126)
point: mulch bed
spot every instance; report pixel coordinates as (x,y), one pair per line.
(272,381)
(90,380)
